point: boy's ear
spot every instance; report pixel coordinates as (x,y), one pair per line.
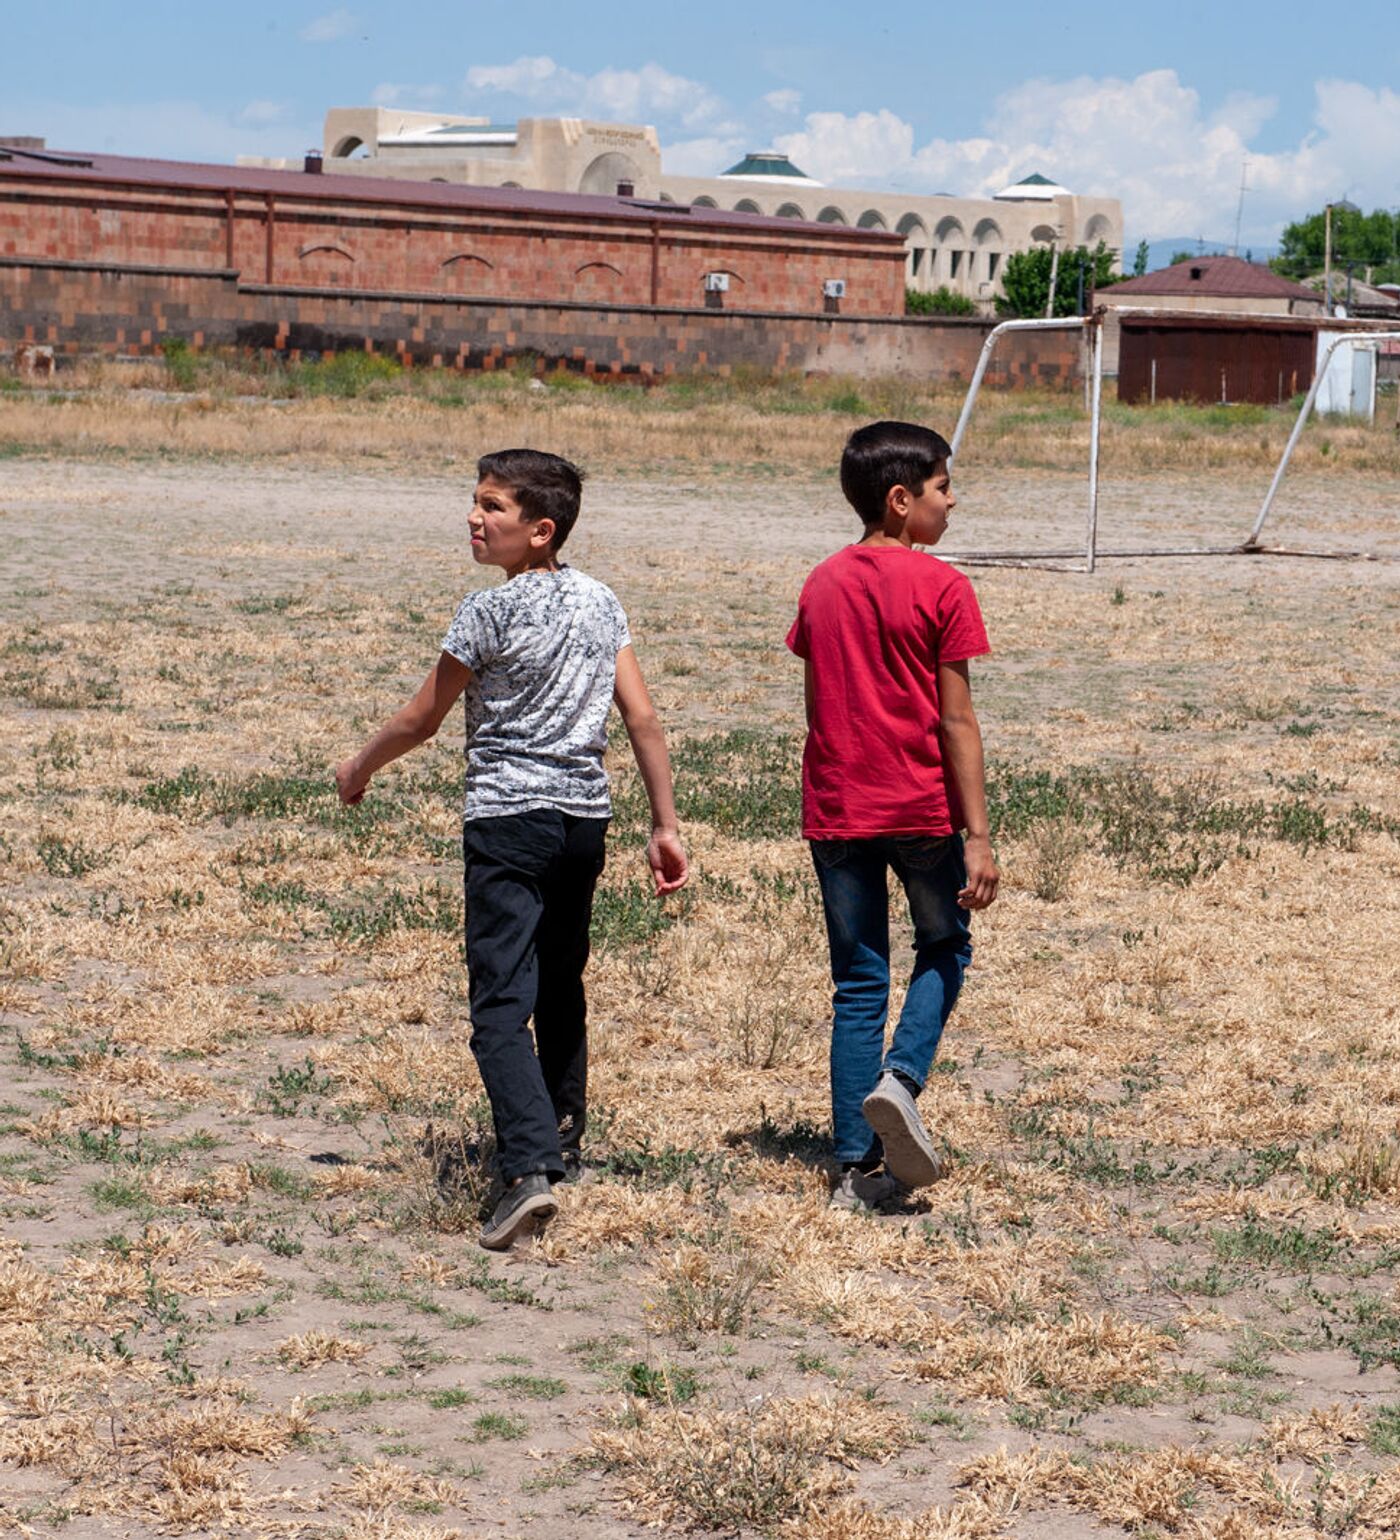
(897,500)
(542,533)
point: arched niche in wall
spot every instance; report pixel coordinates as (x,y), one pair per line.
(990,245)
(790,211)
(598,280)
(831,215)
(464,272)
(872,219)
(747,206)
(347,147)
(1098,229)
(325,262)
(952,239)
(915,233)
(703,202)
(1043,235)
(606,171)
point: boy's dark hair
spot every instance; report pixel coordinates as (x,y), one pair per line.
(889,454)
(546,486)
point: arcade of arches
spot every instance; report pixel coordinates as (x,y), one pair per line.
(969,261)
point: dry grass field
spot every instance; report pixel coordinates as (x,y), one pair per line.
(1157,1294)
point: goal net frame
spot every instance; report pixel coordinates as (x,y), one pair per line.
(1072,560)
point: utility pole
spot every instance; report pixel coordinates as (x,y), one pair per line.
(1327,261)
(1239,211)
(1054,276)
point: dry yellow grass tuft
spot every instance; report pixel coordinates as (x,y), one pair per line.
(1090,1355)
(779,1461)
(310,1348)
(1169,1487)
(974,1518)
(383,1484)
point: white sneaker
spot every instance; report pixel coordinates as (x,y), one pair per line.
(859,1192)
(909,1152)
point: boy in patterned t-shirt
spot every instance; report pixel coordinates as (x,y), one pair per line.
(541,658)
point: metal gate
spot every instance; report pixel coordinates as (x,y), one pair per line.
(1265,359)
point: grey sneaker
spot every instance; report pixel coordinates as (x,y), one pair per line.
(909,1152)
(523,1210)
(860,1192)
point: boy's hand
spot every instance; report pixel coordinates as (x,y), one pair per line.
(982,874)
(350,780)
(666,858)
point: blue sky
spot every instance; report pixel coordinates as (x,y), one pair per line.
(1158,105)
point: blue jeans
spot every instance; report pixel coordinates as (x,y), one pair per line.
(855,895)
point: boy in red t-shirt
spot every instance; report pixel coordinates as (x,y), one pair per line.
(891,773)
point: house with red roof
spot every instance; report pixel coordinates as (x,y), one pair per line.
(1218,287)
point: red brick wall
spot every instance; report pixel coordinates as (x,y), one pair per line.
(99,307)
(520,255)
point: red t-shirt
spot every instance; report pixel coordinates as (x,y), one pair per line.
(874,622)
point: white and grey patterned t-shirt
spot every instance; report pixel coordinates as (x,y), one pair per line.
(542,649)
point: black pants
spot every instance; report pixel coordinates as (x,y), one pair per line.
(530,880)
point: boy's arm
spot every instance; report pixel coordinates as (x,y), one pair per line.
(962,754)
(411,725)
(665,853)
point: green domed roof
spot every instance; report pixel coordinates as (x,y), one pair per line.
(765,163)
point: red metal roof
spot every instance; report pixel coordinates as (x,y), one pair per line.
(1218,277)
(255,181)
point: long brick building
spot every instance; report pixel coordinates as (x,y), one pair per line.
(955,242)
(111,253)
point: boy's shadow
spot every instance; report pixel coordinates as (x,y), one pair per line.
(796,1139)
(810,1144)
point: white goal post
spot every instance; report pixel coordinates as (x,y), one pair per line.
(1092,327)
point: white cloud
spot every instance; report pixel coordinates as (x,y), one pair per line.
(703,157)
(786,101)
(178,130)
(1148,141)
(626,95)
(262,111)
(391,94)
(329,28)
(862,147)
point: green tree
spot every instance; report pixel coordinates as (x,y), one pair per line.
(1369,240)
(1140,260)
(1026,279)
(939,301)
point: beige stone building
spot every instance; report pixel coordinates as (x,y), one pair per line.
(957,243)
(960,243)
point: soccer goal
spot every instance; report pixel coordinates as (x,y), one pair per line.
(1087,558)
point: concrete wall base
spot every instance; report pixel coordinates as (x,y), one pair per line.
(95,308)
